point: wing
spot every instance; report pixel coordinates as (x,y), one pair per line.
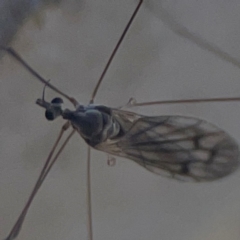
(185,148)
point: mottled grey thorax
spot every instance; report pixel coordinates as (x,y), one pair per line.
(94,123)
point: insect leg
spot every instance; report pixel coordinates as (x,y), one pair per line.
(16,56)
(131,103)
(17,227)
(182,31)
(115,51)
(89,201)
(89,195)
(44,172)
(233,99)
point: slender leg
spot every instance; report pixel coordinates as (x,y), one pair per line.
(131,103)
(44,172)
(89,195)
(89,201)
(204,100)
(114,52)
(17,57)
(182,31)
(49,162)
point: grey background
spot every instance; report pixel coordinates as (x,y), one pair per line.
(70,44)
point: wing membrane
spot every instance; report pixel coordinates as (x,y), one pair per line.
(185,148)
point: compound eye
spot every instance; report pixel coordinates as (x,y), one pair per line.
(57,100)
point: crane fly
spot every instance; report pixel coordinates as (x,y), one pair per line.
(183,148)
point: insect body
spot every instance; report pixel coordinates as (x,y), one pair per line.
(182,147)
